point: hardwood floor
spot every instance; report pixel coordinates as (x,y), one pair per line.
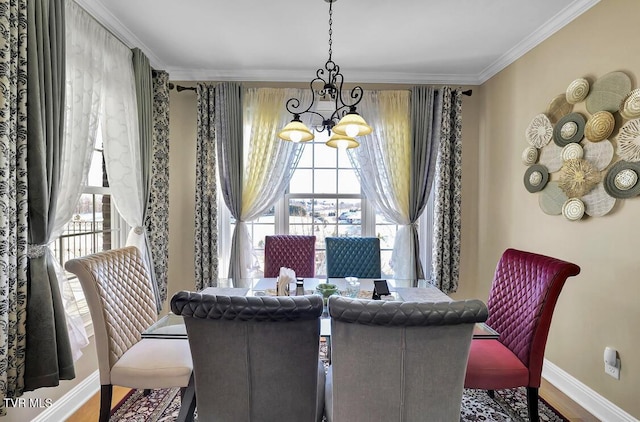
(563,404)
(559,401)
(91,409)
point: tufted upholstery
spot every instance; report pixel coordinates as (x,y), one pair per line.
(254,358)
(353,257)
(290,251)
(122,305)
(246,308)
(407,314)
(398,361)
(521,301)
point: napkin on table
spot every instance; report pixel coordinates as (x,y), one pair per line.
(287,275)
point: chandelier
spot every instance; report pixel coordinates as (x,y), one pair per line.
(344,124)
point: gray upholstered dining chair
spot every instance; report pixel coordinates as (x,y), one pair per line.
(398,361)
(254,358)
(119,294)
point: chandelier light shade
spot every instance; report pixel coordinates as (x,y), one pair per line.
(296,131)
(342,142)
(352,125)
(345,123)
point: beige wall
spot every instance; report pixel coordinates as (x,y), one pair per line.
(599,307)
(182,177)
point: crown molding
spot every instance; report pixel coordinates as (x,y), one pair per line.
(560,20)
(113,25)
(182,74)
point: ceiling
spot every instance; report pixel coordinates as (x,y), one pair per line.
(402,41)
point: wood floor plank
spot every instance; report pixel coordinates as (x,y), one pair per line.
(90,411)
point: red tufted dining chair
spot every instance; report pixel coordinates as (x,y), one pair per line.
(521,301)
(291,251)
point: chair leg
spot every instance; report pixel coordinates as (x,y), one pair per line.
(106,391)
(532,404)
(491,394)
(188,402)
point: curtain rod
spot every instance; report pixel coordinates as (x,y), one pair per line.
(181,88)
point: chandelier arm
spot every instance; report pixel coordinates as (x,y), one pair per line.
(329,82)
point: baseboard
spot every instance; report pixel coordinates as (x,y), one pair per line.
(590,400)
(64,407)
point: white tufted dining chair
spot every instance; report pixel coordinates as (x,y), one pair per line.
(122,305)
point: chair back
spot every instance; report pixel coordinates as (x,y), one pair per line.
(121,301)
(290,251)
(353,257)
(399,361)
(254,358)
(521,301)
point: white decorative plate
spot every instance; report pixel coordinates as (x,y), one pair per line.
(626,179)
(629,141)
(572,151)
(630,107)
(573,209)
(529,155)
(539,131)
(577,91)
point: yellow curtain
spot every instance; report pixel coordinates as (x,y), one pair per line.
(394,109)
(263,118)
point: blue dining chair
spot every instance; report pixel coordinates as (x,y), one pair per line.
(353,257)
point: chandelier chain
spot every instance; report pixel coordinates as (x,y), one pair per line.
(344,123)
(330,29)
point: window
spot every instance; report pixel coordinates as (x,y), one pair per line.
(95,226)
(324,199)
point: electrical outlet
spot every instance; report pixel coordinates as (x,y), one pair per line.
(612,370)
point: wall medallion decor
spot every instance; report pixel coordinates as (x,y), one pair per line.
(630,108)
(594,159)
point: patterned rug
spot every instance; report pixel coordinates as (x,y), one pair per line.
(509,405)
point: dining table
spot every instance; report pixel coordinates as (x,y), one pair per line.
(172,327)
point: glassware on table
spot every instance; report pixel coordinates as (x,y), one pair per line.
(326,290)
(353,287)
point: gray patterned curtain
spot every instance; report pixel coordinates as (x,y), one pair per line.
(448,191)
(48,351)
(426,110)
(13,197)
(144,99)
(206,234)
(157,221)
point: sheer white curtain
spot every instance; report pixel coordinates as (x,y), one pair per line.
(268,161)
(383,166)
(121,141)
(83,94)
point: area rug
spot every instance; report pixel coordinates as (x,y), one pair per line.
(509,405)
